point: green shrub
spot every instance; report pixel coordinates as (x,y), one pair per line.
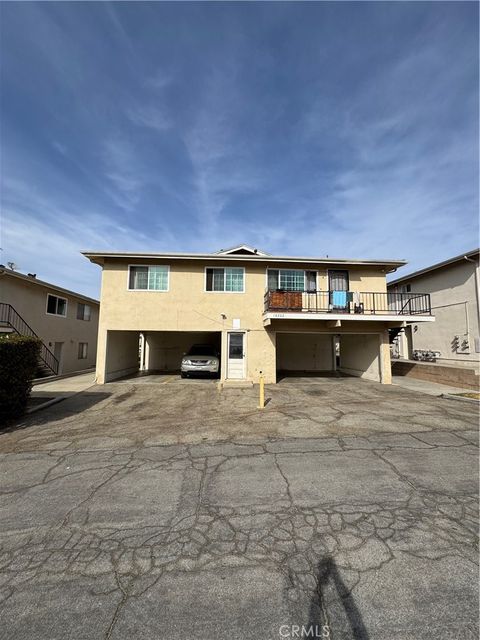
(18,366)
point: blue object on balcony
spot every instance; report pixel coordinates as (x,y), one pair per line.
(339,298)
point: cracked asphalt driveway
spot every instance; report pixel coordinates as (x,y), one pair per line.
(177,512)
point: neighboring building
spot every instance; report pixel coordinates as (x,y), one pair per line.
(264,313)
(66,322)
(453,286)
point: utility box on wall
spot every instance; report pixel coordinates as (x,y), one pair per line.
(462,343)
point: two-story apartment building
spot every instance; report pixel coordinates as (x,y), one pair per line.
(454,288)
(265,313)
(65,321)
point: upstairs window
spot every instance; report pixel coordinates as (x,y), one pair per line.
(290,280)
(84,311)
(225,279)
(56,306)
(153,278)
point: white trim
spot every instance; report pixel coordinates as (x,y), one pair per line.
(57,315)
(148,266)
(244,359)
(224,291)
(246,247)
(306,315)
(305,260)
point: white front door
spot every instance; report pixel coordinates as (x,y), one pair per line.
(236,356)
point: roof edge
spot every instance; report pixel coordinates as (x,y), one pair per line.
(433,267)
(98,257)
(48,285)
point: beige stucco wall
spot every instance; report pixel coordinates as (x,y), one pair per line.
(186,306)
(122,354)
(455,305)
(304,352)
(29,299)
(360,356)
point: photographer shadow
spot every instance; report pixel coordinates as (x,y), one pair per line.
(334,600)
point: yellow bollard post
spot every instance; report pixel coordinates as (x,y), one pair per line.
(261,404)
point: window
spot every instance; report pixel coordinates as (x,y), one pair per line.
(286,279)
(56,306)
(225,279)
(154,278)
(82,350)
(84,311)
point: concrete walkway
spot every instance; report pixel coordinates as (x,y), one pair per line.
(425,386)
(46,393)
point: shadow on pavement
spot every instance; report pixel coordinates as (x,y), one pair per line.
(65,408)
(333,606)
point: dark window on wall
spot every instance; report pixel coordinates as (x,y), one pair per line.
(311,279)
(56,306)
(338,280)
(82,350)
(84,311)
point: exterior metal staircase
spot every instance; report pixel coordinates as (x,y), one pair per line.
(11,321)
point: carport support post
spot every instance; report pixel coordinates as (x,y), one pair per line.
(334,352)
(142,351)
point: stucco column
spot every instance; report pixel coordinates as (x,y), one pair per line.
(384,358)
(223,356)
(101,357)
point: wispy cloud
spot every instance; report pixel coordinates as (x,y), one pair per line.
(195,126)
(152,117)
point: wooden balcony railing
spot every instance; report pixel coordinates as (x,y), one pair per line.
(349,302)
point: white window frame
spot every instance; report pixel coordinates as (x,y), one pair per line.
(304,271)
(224,276)
(57,315)
(149,290)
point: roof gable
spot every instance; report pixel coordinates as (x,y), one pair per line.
(241,250)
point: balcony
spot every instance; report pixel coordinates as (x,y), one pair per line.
(347,305)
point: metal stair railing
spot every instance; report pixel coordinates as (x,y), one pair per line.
(9,316)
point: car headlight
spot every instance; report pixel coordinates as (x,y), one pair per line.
(185,361)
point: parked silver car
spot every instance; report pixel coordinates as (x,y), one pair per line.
(201,358)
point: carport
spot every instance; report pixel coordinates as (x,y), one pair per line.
(130,352)
(162,351)
(355,354)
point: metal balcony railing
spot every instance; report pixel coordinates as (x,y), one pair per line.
(349,302)
(10,318)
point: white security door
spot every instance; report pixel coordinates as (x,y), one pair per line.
(236,356)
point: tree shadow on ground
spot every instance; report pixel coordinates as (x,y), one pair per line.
(65,408)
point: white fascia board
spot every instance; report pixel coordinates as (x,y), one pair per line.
(354,317)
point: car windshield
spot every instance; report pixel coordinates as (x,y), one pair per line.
(201,350)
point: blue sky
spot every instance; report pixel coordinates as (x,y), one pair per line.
(347,129)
